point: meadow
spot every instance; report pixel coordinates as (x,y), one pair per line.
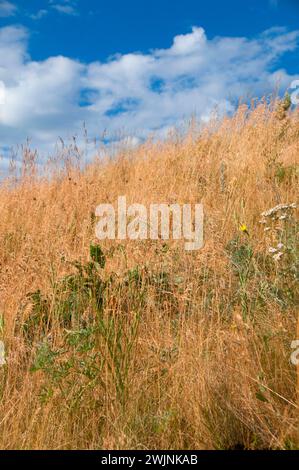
(142,344)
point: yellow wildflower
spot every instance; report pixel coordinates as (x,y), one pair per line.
(244,229)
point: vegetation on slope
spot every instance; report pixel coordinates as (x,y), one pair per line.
(142,344)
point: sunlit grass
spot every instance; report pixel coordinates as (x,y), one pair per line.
(142,344)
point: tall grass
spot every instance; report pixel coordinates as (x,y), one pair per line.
(142,344)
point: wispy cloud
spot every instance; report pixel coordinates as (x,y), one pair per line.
(7,9)
(39,15)
(67,7)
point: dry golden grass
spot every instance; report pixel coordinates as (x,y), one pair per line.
(209,364)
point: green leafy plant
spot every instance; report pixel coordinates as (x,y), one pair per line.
(241,257)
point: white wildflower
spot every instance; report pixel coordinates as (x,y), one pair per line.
(280,207)
(272,250)
(280,246)
(278,256)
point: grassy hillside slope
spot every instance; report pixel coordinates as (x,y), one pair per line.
(143,344)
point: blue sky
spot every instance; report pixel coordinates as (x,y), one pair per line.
(91,30)
(134,67)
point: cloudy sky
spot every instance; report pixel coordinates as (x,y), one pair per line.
(132,67)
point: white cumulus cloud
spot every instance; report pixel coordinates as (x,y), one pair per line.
(137,93)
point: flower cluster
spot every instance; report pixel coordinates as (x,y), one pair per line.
(278,212)
(277,215)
